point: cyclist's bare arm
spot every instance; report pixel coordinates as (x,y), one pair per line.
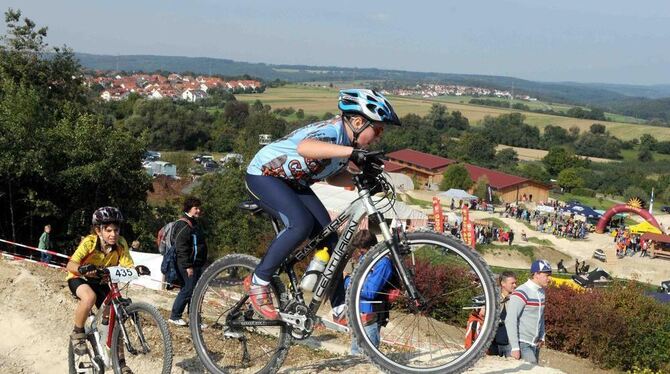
(316,149)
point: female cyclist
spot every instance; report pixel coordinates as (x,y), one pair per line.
(280,175)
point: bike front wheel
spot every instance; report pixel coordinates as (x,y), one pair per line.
(228,335)
(425,335)
(148,347)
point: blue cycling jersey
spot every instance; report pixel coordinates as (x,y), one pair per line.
(281,159)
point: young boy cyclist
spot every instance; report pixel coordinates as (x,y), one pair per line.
(104,247)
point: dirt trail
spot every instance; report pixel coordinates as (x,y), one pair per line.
(37,319)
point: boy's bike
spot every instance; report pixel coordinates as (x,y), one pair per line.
(135,334)
(437,277)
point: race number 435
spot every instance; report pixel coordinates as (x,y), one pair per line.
(118,274)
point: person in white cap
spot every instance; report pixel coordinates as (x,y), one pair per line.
(525,314)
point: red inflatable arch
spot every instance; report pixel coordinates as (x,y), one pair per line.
(624,208)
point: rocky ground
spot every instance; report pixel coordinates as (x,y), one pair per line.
(37,319)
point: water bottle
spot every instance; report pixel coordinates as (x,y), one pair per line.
(315,269)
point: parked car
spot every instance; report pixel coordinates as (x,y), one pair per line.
(665,209)
(210,166)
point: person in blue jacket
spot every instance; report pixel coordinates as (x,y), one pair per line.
(377,292)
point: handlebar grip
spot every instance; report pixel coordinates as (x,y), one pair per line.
(83,269)
(142,270)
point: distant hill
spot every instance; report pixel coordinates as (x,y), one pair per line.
(612,97)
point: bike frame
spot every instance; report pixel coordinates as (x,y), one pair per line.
(352,217)
(112,302)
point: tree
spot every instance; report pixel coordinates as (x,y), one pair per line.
(476,148)
(645,154)
(534,171)
(228,228)
(300,114)
(456,176)
(506,159)
(480,188)
(438,116)
(556,135)
(648,141)
(570,178)
(597,129)
(558,159)
(59,161)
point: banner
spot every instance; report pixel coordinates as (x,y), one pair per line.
(437,214)
(489,194)
(468,229)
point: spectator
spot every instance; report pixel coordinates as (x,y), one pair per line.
(500,345)
(135,246)
(576,266)
(510,237)
(191,256)
(645,248)
(45,243)
(525,314)
(377,290)
(561,267)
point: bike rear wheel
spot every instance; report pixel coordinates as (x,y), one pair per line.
(149,346)
(429,337)
(217,304)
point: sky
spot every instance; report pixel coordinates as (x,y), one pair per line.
(583,41)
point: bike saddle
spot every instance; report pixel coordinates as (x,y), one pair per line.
(250,206)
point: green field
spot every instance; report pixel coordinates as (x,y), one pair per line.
(317,101)
(631,154)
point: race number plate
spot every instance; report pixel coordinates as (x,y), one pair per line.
(118,274)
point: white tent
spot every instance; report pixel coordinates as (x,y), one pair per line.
(336,199)
(454,193)
(401,182)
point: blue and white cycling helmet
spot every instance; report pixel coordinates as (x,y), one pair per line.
(369,104)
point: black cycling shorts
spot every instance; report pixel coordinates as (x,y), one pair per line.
(101,290)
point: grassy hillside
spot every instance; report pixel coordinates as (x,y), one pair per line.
(318,101)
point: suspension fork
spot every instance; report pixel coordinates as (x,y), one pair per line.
(394,245)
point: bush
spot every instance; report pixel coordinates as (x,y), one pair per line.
(584,192)
(618,327)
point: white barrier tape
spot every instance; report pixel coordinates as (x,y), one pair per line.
(20,258)
(35,249)
(15,257)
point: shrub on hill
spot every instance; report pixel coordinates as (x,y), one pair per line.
(617,327)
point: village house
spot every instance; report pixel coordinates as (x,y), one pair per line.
(427,171)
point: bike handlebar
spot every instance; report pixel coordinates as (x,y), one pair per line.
(102,272)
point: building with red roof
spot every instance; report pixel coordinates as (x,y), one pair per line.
(427,170)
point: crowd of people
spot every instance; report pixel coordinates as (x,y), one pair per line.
(629,244)
(557,223)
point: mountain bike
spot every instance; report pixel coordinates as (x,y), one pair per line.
(437,277)
(135,334)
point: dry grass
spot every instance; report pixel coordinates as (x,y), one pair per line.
(317,101)
(528,154)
